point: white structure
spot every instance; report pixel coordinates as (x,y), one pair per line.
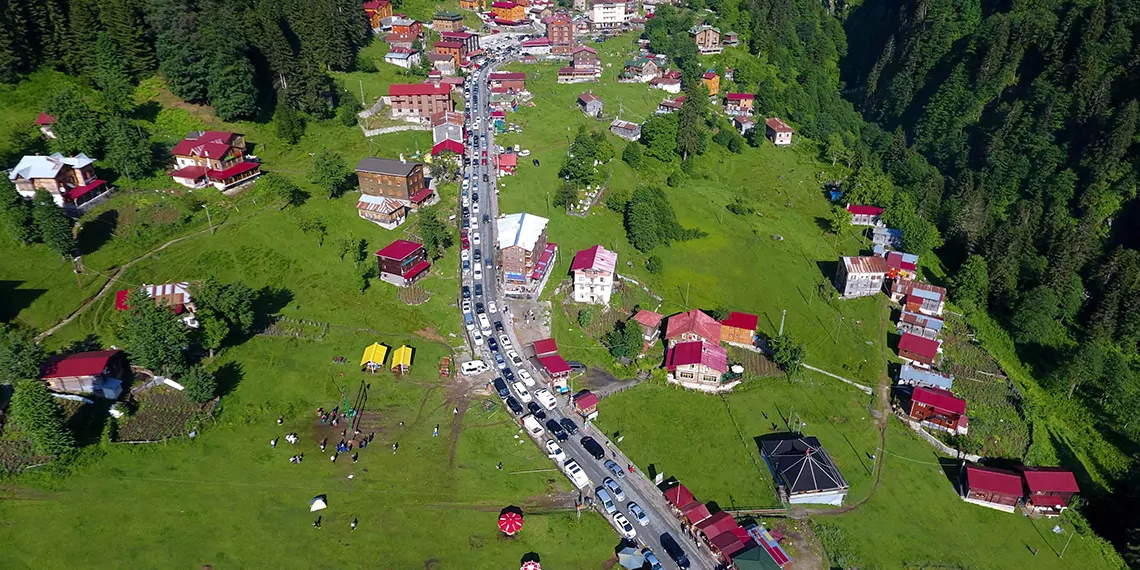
(860,276)
(594,275)
(606,14)
(406,58)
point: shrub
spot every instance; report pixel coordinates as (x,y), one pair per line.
(654,265)
(200,385)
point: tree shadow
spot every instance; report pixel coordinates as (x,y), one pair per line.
(147,111)
(96,232)
(87,422)
(952,469)
(823,224)
(88,343)
(228,376)
(14,299)
(268,301)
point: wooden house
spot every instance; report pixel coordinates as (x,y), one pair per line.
(860,276)
(707,39)
(711,82)
(447,21)
(692,326)
(377,11)
(939,409)
(586,404)
(402,262)
(696,362)
(1050,489)
(69,180)
(213,158)
(865,215)
(919,351)
(994,488)
(508,13)
(739,328)
(100,373)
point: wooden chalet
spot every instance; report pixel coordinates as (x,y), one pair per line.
(1050,489)
(994,488)
(938,409)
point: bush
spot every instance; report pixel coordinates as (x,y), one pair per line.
(36,413)
(654,265)
(587,316)
(200,385)
(740,208)
(676,179)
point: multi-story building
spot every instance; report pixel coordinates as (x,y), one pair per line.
(451,49)
(691,326)
(860,276)
(469,40)
(560,32)
(739,103)
(377,11)
(447,22)
(405,26)
(508,13)
(778,131)
(419,99)
(607,14)
(70,181)
(389,189)
(594,270)
(585,57)
(536,46)
(707,39)
(711,81)
(862,215)
(641,70)
(447,125)
(524,253)
(402,262)
(696,362)
(212,157)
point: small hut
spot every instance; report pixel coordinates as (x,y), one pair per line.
(402,360)
(373,357)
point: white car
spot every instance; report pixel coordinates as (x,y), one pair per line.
(466,200)
(466,306)
(475,238)
(478,275)
(524,395)
(484,324)
(505,341)
(465,255)
(623,525)
(515,358)
(575,473)
(491,308)
(470,320)
(477,338)
(473,367)
(526,377)
(475,208)
(554,451)
(545,399)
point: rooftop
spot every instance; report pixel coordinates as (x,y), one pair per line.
(648,318)
(38,166)
(545,346)
(918,345)
(994,480)
(521,230)
(803,464)
(939,399)
(778,125)
(399,249)
(741,321)
(858,210)
(865,264)
(1050,480)
(596,258)
(694,321)
(77,364)
(405,89)
(697,352)
(588,97)
(910,373)
(386,166)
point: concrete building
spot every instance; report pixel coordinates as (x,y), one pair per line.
(778,131)
(524,253)
(607,14)
(560,32)
(419,99)
(594,270)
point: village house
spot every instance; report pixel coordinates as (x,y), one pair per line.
(667,106)
(729,39)
(577,75)
(1050,489)
(212,158)
(901,265)
(739,328)
(865,215)
(590,104)
(707,39)
(691,326)
(420,100)
(778,131)
(696,362)
(512,81)
(448,145)
(99,373)
(469,40)
(586,405)
(711,81)
(803,470)
(938,409)
(389,189)
(453,50)
(919,297)
(447,125)
(925,326)
(524,253)
(919,351)
(508,164)
(743,123)
(641,70)
(594,270)
(586,57)
(884,238)
(70,181)
(625,129)
(860,276)
(404,26)
(606,14)
(650,324)
(406,58)
(44,123)
(402,262)
(989,487)
(738,103)
(447,21)
(377,11)
(176,296)
(536,46)
(442,64)
(508,13)
(473,5)
(912,376)
(560,32)
(666,84)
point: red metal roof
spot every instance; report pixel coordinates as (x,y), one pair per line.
(80,191)
(939,399)
(716,524)
(399,249)
(510,159)
(648,318)
(918,345)
(1048,501)
(507,76)
(421,195)
(543,261)
(1050,479)
(504,5)
(865,210)
(777,125)
(554,364)
(536,42)
(448,144)
(45,119)
(993,480)
(696,512)
(239,168)
(78,364)
(417,269)
(708,75)
(739,96)
(585,259)
(679,496)
(375,5)
(218,143)
(405,89)
(121,299)
(728,543)
(449,44)
(585,400)
(895,259)
(191,172)
(697,352)
(545,346)
(693,321)
(741,321)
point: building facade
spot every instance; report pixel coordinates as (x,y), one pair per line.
(594,270)
(778,131)
(419,99)
(707,39)
(70,180)
(447,22)
(402,262)
(212,158)
(560,32)
(606,14)
(860,276)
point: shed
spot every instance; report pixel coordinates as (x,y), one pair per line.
(586,404)
(402,360)
(590,104)
(803,470)
(917,350)
(83,372)
(373,357)
(695,512)
(994,488)
(680,497)
(716,524)
(938,408)
(739,328)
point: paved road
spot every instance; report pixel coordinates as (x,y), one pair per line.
(636,486)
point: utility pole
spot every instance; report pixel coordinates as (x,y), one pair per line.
(782,315)
(208,218)
(1071,533)
(362,103)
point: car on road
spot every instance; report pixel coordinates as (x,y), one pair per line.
(573,364)
(674,550)
(638,513)
(523,393)
(479,310)
(474,196)
(478,268)
(515,358)
(506,342)
(477,338)
(485,327)
(606,501)
(486,219)
(499,360)
(569,425)
(478,255)
(491,308)
(492,343)
(475,208)
(473,367)
(465,255)
(478,289)
(475,239)
(610,464)
(509,375)
(623,525)
(527,379)
(556,430)
(651,559)
(501,388)
(614,488)
(546,399)
(484,160)
(466,243)
(469,320)
(499,326)
(575,473)
(593,447)
(466,292)
(484,177)
(514,405)
(536,410)
(554,451)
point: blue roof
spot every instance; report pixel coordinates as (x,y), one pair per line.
(835,195)
(911,375)
(910,258)
(926,294)
(892,232)
(933,323)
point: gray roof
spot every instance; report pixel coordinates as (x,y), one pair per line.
(802,464)
(911,375)
(36,166)
(386,166)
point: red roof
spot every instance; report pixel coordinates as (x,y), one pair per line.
(1050,479)
(191,172)
(679,496)
(708,75)
(399,249)
(449,44)
(211,144)
(448,144)
(865,210)
(545,346)
(506,22)
(404,89)
(915,344)
(80,191)
(739,96)
(504,5)
(121,299)
(993,480)
(460,36)
(507,76)
(939,399)
(696,512)
(585,400)
(648,318)
(536,42)
(728,543)
(737,320)
(693,321)
(716,524)
(239,168)
(375,5)
(777,125)
(697,352)
(508,159)
(586,49)
(554,364)
(895,259)
(498,114)
(416,269)
(421,195)
(45,119)
(78,364)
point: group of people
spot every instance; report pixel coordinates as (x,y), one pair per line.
(330,418)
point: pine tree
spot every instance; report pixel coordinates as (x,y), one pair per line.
(83,31)
(127,148)
(36,413)
(20,354)
(123,23)
(178,48)
(111,74)
(288,124)
(53,224)
(200,386)
(15,213)
(230,84)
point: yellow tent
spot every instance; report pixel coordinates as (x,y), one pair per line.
(402,359)
(374,356)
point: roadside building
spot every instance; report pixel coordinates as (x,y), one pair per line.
(99,373)
(691,326)
(586,404)
(419,99)
(803,470)
(524,253)
(778,131)
(594,270)
(696,362)
(536,46)
(453,50)
(739,328)
(511,81)
(469,40)
(994,488)
(938,409)
(508,164)
(447,125)
(860,276)
(402,262)
(606,14)
(70,180)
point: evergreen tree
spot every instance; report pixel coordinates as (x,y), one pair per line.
(225,309)
(787,353)
(36,413)
(289,125)
(123,23)
(20,354)
(659,134)
(178,47)
(229,73)
(76,126)
(83,26)
(15,213)
(111,74)
(641,226)
(633,155)
(53,225)
(127,148)
(200,386)
(970,285)
(435,235)
(331,173)
(154,336)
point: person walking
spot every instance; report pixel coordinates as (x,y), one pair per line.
(395,446)
(317,523)
(435,431)
(353,523)
(332,458)
(280,420)
(273,442)
(355,457)
(500,467)
(455,411)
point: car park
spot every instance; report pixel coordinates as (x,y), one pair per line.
(468,321)
(536,410)
(614,488)
(610,463)
(569,425)
(475,208)
(466,266)
(465,255)
(605,500)
(478,274)
(527,379)
(505,341)
(514,405)
(475,239)
(478,255)
(638,513)
(484,326)
(556,430)
(593,447)
(546,399)
(523,393)
(624,526)
(651,559)
(554,451)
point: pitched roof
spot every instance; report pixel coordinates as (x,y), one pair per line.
(461,36)
(679,496)
(912,375)
(1050,479)
(596,258)
(449,44)
(405,89)
(378,204)
(508,159)
(374,5)
(504,5)
(864,210)
(918,345)
(38,166)
(554,364)
(899,260)
(697,352)
(739,96)
(399,249)
(447,117)
(587,97)
(865,264)
(925,321)
(386,166)
(45,119)
(803,464)
(536,42)
(741,321)
(939,399)
(919,289)
(717,523)
(545,346)
(694,321)
(778,125)
(648,318)
(709,75)
(196,143)
(446,15)
(77,364)
(446,145)
(586,49)
(507,76)
(585,399)
(521,230)
(696,512)
(993,480)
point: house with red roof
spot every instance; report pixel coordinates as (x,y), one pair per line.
(865,215)
(650,324)
(690,326)
(679,498)
(173,295)
(860,276)
(545,347)
(508,13)
(403,262)
(711,82)
(1050,489)
(695,513)
(536,46)
(739,103)
(989,487)
(377,11)
(739,328)
(778,131)
(419,100)
(45,121)
(594,270)
(214,158)
(939,409)
(512,81)
(586,404)
(901,265)
(448,145)
(697,363)
(98,373)
(919,351)
(508,163)
(918,297)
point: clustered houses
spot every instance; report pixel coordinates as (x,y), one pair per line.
(507,82)
(389,189)
(707,39)
(404,57)
(402,262)
(860,276)
(585,65)
(377,11)
(1045,490)
(508,13)
(70,181)
(884,238)
(419,100)
(751,546)
(667,106)
(524,254)
(778,131)
(738,103)
(213,158)
(594,271)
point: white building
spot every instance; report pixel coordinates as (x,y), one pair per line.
(406,58)
(860,276)
(594,270)
(606,14)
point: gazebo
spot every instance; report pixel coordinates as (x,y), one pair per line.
(402,360)
(373,357)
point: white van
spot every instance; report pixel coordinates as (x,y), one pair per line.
(472,367)
(484,324)
(524,395)
(545,398)
(575,474)
(533,428)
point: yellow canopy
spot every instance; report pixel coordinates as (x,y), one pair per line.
(402,357)
(374,354)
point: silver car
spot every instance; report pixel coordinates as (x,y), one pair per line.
(638,514)
(614,488)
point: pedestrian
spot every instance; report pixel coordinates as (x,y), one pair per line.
(280,420)
(363,443)
(500,467)
(348,446)
(355,457)
(356,432)
(323,443)
(455,411)
(343,433)
(317,523)
(273,443)
(353,523)
(370,436)
(630,467)
(332,458)
(401,423)
(435,431)
(395,446)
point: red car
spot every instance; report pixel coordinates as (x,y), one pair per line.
(466,244)
(484,162)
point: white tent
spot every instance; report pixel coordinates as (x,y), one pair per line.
(318,503)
